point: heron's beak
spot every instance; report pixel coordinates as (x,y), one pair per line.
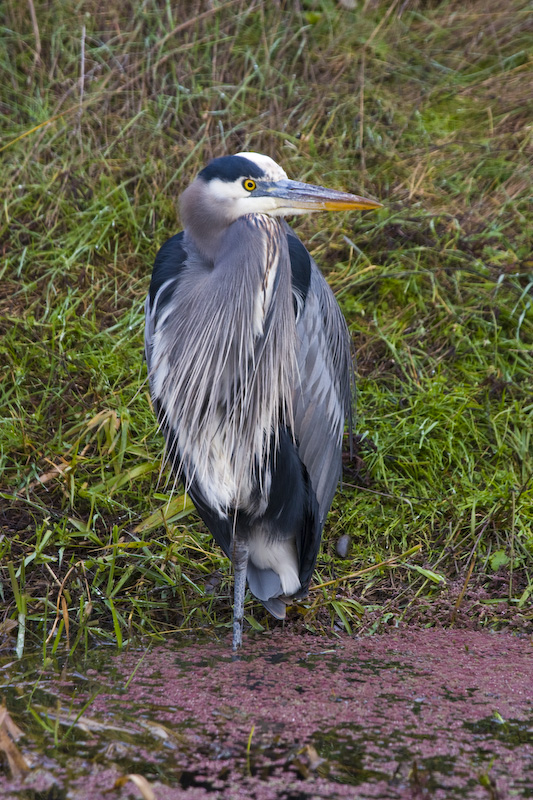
(297,197)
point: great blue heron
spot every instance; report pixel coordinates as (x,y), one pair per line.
(250,372)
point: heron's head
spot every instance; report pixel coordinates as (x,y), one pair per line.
(249,183)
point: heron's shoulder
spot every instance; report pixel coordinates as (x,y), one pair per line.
(300,266)
(169,262)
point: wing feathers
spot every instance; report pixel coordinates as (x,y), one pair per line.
(322,397)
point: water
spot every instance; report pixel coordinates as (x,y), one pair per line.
(412,714)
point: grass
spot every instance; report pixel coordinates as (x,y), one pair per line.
(106,114)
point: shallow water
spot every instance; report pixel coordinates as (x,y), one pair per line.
(412,714)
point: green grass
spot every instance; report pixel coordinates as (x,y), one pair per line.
(107,112)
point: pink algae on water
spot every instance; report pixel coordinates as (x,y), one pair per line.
(411,714)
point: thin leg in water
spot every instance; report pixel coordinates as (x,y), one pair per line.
(240,565)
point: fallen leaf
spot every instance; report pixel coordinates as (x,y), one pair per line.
(9,733)
(140,782)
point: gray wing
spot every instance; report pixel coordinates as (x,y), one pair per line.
(323,395)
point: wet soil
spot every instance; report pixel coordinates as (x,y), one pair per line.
(413,714)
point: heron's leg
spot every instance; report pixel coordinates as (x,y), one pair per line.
(240,564)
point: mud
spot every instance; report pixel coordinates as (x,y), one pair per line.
(412,714)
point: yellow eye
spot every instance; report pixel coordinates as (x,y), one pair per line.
(249,184)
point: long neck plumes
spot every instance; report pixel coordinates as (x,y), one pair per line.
(232,363)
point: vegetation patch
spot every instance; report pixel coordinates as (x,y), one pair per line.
(108,111)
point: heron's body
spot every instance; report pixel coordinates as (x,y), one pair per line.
(250,373)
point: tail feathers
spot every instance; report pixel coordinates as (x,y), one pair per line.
(277,606)
(265,584)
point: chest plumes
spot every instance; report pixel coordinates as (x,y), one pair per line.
(230,362)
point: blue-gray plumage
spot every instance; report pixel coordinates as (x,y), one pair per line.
(250,372)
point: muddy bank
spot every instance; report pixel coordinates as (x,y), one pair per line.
(413,714)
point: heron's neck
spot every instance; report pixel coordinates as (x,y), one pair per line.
(205,224)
